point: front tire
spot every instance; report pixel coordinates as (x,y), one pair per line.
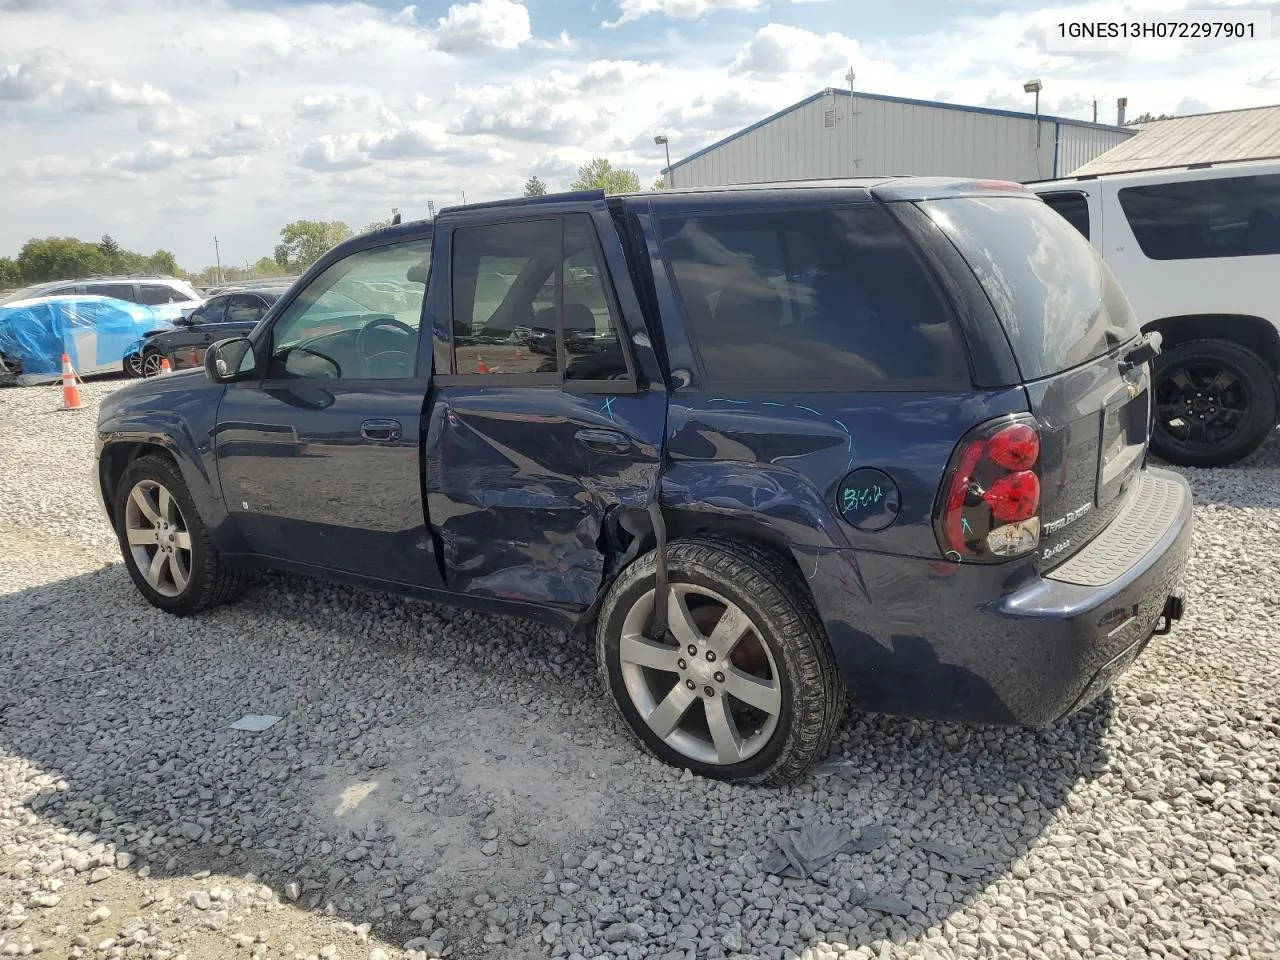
(165,544)
(745,687)
(1215,403)
(152,361)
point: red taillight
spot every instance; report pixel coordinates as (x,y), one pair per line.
(1015,496)
(1016,447)
(992,495)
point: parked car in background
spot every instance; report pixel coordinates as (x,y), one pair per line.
(168,297)
(885,438)
(219,317)
(1197,250)
(95,333)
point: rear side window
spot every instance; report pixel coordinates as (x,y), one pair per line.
(1198,219)
(811,296)
(120,291)
(1072,207)
(1058,302)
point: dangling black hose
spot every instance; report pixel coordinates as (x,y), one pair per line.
(661,587)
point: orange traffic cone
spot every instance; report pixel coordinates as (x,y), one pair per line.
(481,366)
(164,366)
(70,392)
(519,354)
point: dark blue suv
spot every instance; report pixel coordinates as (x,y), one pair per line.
(780,448)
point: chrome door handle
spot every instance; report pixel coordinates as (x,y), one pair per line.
(381,431)
(604,441)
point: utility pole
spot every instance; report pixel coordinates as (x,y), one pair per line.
(1095,109)
(464,198)
(431,209)
(853,137)
(217,254)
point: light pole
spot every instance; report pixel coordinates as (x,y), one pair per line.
(853,138)
(663,141)
(217,255)
(1035,86)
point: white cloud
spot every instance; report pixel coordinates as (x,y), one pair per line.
(778,49)
(246,134)
(483,25)
(49,74)
(217,169)
(629,10)
(102,95)
(318,107)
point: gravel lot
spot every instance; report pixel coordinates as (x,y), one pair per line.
(450,783)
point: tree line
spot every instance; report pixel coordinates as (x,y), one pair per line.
(302,243)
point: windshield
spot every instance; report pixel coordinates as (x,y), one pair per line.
(1058,302)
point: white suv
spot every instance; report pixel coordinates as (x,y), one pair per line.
(1197,250)
(168,297)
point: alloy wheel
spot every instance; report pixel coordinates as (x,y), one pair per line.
(712,691)
(158,538)
(151,365)
(1201,403)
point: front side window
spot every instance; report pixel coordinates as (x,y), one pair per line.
(798,297)
(211,311)
(527,294)
(358,320)
(1200,219)
(1072,207)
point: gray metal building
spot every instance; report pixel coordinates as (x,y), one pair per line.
(838,134)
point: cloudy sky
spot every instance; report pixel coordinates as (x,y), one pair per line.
(165,122)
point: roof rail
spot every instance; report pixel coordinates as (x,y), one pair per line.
(569,197)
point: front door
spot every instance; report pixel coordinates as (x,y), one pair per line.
(319,459)
(546,414)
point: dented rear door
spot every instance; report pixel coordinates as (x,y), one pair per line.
(548,409)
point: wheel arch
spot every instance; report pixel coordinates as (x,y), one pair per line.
(115,460)
(628,533)
(1254,333)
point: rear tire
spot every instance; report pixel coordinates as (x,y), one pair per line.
(1215,403)
(165,544)
(782,664)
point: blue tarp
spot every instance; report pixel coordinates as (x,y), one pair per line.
(96,332)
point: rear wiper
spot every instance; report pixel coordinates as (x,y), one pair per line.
(1147,349)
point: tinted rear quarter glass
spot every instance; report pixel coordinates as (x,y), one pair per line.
(1198,219)
(1072,207)
(820,297)
(1058,302)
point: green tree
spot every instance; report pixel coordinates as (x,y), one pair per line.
(1147,118)
(376,225)
(162,261)
(534,187)
(10,275)
(110,252)
(303,242)
(659,184)
(600,174)
(59,258)
(266,267)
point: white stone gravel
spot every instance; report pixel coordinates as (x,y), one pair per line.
(452,783)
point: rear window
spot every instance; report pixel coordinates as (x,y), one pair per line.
(1199,219)
(1058,302)
(807,296)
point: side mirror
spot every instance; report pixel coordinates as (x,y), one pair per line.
(230,360)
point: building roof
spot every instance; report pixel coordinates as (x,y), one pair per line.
(885,98)
(1252,134)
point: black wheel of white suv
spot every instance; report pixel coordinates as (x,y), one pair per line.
(1215,402)
(744,686)
(165,544)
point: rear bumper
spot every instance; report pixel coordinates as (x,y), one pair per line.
(1004,644)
